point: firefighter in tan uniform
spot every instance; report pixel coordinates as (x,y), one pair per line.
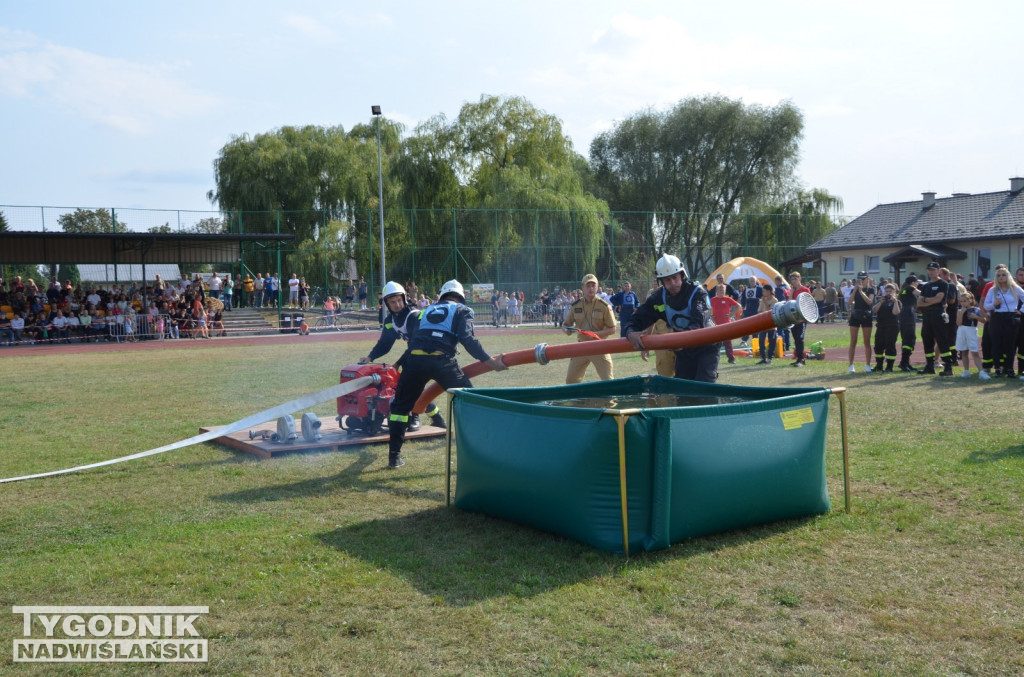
(595,315)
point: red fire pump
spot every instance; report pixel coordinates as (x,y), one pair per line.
(366,411)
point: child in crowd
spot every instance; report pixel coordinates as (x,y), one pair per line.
(967,320)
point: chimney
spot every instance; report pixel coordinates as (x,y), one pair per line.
(928,200)
(1016,183)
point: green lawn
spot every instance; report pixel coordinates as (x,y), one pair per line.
(326,563)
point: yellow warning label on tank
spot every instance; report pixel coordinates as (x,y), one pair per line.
(796,418)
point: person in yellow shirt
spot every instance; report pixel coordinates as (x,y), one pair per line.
(248,285)
(594,315)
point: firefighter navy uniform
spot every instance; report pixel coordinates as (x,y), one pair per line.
(689,309)
(431,356)
(933,327)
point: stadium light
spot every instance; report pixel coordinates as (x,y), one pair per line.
(380,188)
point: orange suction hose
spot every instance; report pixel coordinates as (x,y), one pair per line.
(783,314)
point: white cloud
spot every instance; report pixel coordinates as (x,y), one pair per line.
(119,94)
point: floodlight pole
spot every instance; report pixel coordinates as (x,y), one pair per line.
(380,188)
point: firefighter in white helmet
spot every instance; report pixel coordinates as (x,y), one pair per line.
(443,326)
(400,321)
(684,306)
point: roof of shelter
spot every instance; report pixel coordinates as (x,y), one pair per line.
(26,247)
(931,221)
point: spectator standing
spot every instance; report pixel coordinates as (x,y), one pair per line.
(1001,303)
(229,291)
(293,291)
(861,299)
(248,289)
(751,299)
(800,328)
(216,283)
(513,309)
(350,295)
(625,304)
(270,290)
(362,294)
(725,309)
(932,304)
(303,293)
(595,315)
(766,338)
(257,290)
(782,292)
(502,318)
(967,319)
(908,321)
(887,312)
(684,306)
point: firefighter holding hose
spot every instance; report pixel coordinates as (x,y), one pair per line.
(431,356)
(400,322)
(684,306)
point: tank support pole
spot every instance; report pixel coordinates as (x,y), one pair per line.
(621,416)
(448,456)
(840,394)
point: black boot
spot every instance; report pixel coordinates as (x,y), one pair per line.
(905,362)
(929,367)
(397,437)
(414,422)
(889,363)
(947,368)
(438,421)
(878,364)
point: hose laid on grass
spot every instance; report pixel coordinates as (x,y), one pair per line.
(304,402)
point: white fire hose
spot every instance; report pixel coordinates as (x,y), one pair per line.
(332,393)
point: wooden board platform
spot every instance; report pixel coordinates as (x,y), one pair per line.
(331,437)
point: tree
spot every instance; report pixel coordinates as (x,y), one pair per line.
(683,174)
(309,175)
(91,221)
(210,225)
(780,230)
(505,154)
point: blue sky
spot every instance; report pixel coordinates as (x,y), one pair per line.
(126,104)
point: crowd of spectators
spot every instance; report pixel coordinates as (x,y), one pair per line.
(64,312)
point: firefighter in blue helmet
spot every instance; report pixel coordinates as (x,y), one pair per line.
(443,326)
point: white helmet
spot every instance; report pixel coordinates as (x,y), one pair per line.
(392,288)
(453,287)
(668,266)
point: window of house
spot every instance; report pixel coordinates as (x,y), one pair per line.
(983,264)
(846,266)
(871,264)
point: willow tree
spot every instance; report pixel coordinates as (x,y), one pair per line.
(687,170)
(299,179)
(514,161)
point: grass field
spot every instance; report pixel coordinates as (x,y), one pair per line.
(326,563)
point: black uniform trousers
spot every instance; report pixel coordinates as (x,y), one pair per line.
(698,364)
(933,330)
(417,371)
